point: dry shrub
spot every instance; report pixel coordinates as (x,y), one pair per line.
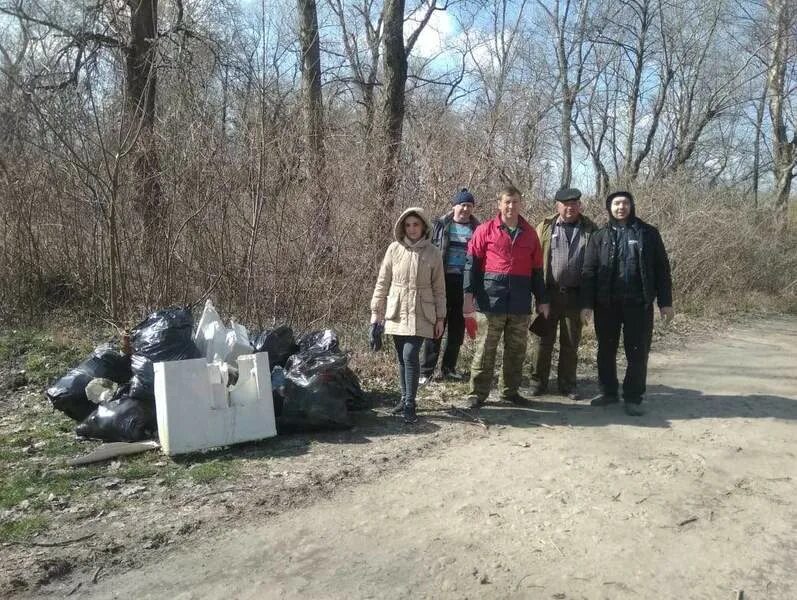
(725,256)
(244,224)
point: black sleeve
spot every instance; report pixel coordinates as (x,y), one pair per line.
(472,276)
(663,276)
(538,287)
(589,272)
(437,233)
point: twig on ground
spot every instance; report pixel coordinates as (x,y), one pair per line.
(52,544)
(212,493)
(466,414)
(75,588)
(687,521)
(557,547)
(96,574)
(531,585)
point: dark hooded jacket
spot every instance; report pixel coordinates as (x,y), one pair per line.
(645,257)
(440,233)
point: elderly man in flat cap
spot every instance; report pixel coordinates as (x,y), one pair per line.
(564,237)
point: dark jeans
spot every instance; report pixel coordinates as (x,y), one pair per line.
(636,321)
(455,323)
(408,349)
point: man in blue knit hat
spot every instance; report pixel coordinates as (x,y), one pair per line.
(451,235)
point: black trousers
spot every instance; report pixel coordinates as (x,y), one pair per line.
(636,322)
(455,323)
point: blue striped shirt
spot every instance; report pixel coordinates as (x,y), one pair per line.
(459,235)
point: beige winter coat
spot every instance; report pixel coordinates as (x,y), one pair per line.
(410,292)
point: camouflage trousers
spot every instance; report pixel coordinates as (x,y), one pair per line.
(514,329)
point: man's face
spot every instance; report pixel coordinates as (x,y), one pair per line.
(620,208)
(510,207)
(463,211)
(569,210)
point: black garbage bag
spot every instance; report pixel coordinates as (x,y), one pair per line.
(318,393)
(302,408)
(312,362)
(278,342)
(163,335)
(277,388)
(324,340)
(334,376)
(142,384)
(68,394)
(123,419)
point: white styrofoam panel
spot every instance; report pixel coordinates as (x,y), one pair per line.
(195,410)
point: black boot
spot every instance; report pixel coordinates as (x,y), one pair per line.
(409,413)
(633,407)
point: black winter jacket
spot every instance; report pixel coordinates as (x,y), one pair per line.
(600,265)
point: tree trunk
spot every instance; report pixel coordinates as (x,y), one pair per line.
(566,141)
(314,119)
(784,150)
(311,82)
(759,123)
(395,67)
(141,89)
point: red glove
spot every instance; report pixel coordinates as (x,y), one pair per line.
(470,325)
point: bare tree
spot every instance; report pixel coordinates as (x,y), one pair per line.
(311,82)
(396,51)
(784,146)
(362,61)
(101,28)
(569,20)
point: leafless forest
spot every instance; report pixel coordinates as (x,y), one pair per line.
(153,153)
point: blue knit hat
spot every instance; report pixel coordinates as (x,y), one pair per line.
(463,195)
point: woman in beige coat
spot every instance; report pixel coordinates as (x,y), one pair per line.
(410,299)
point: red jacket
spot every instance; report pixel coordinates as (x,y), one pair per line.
(502,273)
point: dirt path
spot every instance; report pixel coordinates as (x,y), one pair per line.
(694,500)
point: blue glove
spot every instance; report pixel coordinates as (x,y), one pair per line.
(375,336)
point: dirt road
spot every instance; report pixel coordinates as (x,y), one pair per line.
(694,500)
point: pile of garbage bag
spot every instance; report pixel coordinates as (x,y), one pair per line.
(112,395)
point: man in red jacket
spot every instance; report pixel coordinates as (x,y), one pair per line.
(503,268)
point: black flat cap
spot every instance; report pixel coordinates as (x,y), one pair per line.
(568,194)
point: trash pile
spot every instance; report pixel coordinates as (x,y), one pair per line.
(112,392)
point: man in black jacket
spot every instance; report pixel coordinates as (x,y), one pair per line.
(625,269)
